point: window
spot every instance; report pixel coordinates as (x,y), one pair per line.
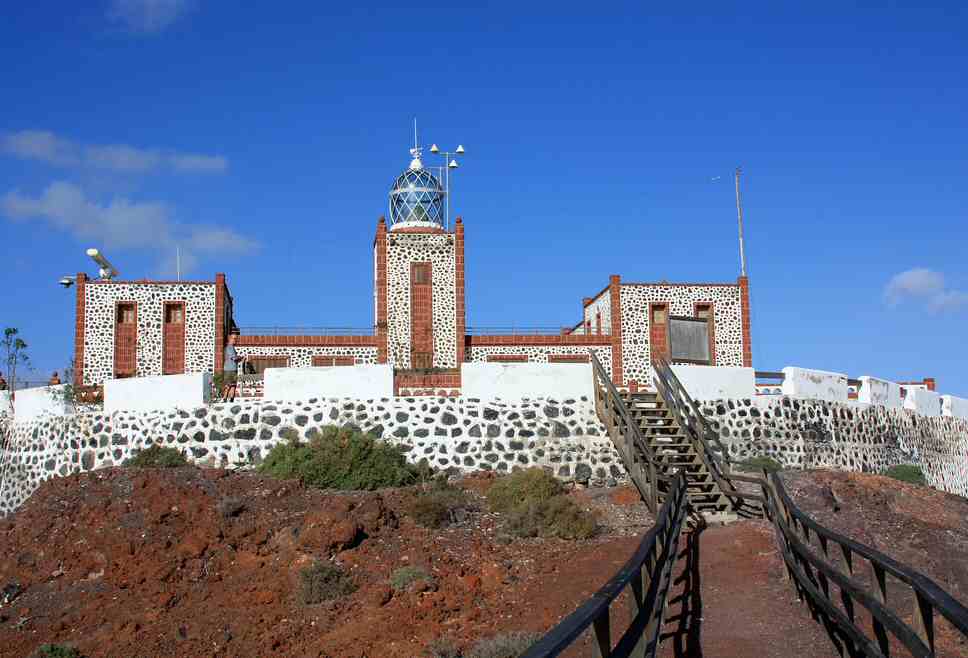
(598,322)
(421,273)
(689,340)
(174,314)
(659,315)
(125,313)
(258,364)
(704,311)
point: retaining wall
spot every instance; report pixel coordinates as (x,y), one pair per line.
(563,435)
(846,436)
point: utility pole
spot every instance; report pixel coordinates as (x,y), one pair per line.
(739,214)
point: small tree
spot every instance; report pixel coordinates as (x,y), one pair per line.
(15,353)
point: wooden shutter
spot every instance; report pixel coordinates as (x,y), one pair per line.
(126,339)
(173,339)
(421,316)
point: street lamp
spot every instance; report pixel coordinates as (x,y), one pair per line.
(450,160)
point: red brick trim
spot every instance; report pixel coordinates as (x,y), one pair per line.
(615,293)
(81,283)
(744,299)
(459,292)
(109,282)
(535,341)
(663,344)
(670,284)
(307,341)
(381,290)
(507,358)
(711,323)
(325,360)
(220,329)
(420,383)
(569,358)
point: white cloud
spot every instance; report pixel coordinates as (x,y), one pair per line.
(45,146)
(192,163)
(925,286)
(146,16)
(125,224)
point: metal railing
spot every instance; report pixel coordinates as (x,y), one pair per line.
(647,575)
(521,331)
(307,331)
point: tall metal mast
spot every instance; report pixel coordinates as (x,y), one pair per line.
(739,214)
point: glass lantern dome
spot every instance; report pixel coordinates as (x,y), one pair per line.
(417,198)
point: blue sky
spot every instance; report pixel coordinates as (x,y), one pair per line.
(263,139)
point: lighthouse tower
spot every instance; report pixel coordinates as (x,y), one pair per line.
(419,276)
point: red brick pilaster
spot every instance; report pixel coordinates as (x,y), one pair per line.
(81,284)
(744,299)
(381,290)
(220,328)
(459,293)
(615,294)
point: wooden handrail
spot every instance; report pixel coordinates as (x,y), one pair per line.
(648,574)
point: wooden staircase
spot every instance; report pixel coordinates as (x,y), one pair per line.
(674,451)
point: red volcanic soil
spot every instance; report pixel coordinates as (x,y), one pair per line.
(151,562)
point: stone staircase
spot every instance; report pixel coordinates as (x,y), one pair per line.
(675,451)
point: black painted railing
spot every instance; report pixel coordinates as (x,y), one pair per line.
(828,569)
(838,576)
(647,577)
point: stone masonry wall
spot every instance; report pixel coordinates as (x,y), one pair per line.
(802,433)
(564,436)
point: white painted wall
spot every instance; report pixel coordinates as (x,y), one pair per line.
(32,403)
(879,391)
(952,406)
(716,382)
(515,381)
(366,382)
(6,404)
(187,391)
(922,401)
(814,384)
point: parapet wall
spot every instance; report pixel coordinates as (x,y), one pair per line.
(465,433)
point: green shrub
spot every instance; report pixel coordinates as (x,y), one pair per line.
(323,582)
(760,463)
(342,458)
(529,485)
(157,457)
(401,579)
(56,651)
(536,506)
(506,645)
(556,517)
(909,473)
(437,505)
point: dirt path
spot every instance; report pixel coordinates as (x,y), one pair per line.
(736,603)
